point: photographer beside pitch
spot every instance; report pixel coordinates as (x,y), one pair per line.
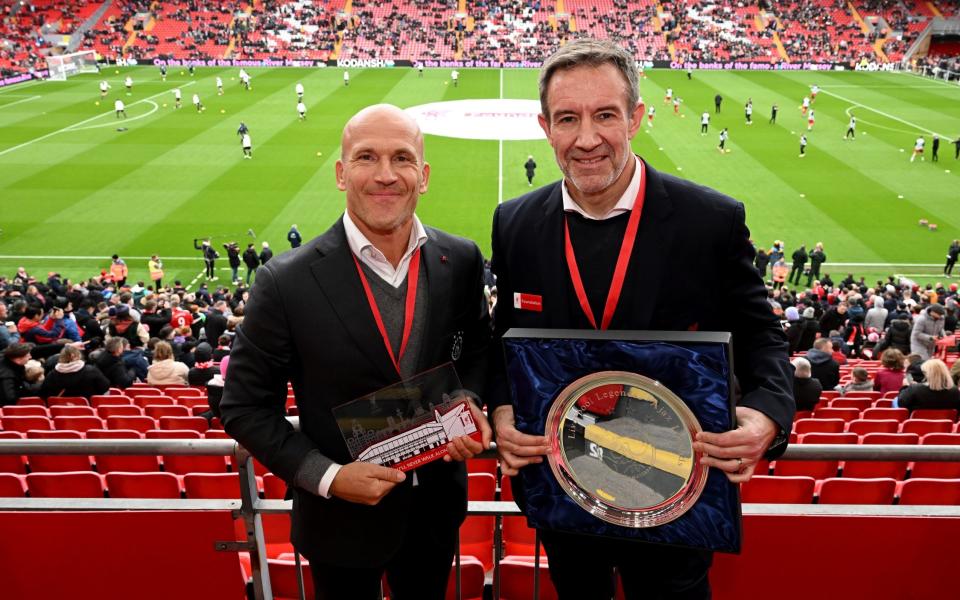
(590,113)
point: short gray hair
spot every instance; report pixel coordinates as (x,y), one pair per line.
(592,53)
(802,368)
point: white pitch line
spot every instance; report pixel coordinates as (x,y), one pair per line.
(113,123)
(885,114)
(84,122)
(199,275)
(500,154)
(20,101)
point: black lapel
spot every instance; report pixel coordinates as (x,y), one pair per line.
(337,277)
(651,252)
(436,265)
(548,232)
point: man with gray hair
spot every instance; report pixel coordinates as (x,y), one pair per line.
(633,231)
(927,329)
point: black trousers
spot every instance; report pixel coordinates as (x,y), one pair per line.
(582,568)
(418,571)
(208,267)
(798,271)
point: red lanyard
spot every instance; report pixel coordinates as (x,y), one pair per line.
(623,260)
(410,304)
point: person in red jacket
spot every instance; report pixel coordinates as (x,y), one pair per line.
(33,330)
(889,377)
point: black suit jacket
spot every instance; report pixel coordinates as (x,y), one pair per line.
(691,269)
(308,322)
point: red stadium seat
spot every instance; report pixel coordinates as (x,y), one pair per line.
(182,464)
(185,392)
(780,490)
(193,402)
(476,533)
(471,580)
(67,401)
(125,410)
(900,414)
(24,411)
(884,402)
(152,400)
(110,463)
(12,486)
(847,402)
(31,401)
(72,411)
(937,469)
(482,465)
(212,485)
(817,469)
(173,434)
(75,484)
(863,394)
(846,414)
(12,463)
(516,579)
(195,423)
(25,424)
(934,413)
(160,411)
(925,426)
(865,426)
(829,438)
(78,423)
(283,579)
(929,491)
(846,490)
(57,463)
(216,434)
(894,469)
(819,425)
(141,424)
(142,485)
(109,400)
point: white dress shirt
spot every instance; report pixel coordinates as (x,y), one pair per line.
(625,204)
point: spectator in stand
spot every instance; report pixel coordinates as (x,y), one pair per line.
(876,316)
(897,336)
(860,383)
(809,326)
(806,389)
(823,367)
(834,318)
(913,364)
(165,370)
(927,329)
(889,377)
(33,329)
(14,383)
(122,325)
(216,321)
(955,373)
(937,391)
(203,368)
(110,362)
(223,348)
(153,318)
(854,335)
(72,376)
(8,329)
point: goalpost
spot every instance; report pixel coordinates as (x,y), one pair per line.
(65,65)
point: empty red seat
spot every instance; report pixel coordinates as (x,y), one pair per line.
(885,402)
(471,580)
(937,469)
(185,392)
(283,579)
(78,423)
(12,463)
(925,426)
(57,463)
(122,410)
(151,400)
(75,484)
(872,395)
(482,465)
(72,411)
(817,469)
(109,400)
(934,413)
(846,490)
(900,414)
(930,491)
(67,401)
(160,411)
(274,488)
(25,424)
(846,414)
(476,533)
(24,411)
(212,485)
(143,485)
(194,402)
(894,469)
(847,402)
(216,434)
(141,424)
(781,490)
(516,579)
(865,426)
(173,434)
(822,425)
(829,438)
(31,401)
(12,486)
(195,423)
(182,464)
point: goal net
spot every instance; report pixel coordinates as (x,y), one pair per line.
(65,65)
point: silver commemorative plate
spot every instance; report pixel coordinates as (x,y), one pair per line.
(622,449)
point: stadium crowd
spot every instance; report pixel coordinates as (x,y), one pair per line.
(506,30)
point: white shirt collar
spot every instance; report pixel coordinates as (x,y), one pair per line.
(625,204)
(371,256)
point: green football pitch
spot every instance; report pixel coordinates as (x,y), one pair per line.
(77,185)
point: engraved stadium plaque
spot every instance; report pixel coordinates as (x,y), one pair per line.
(622,448)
